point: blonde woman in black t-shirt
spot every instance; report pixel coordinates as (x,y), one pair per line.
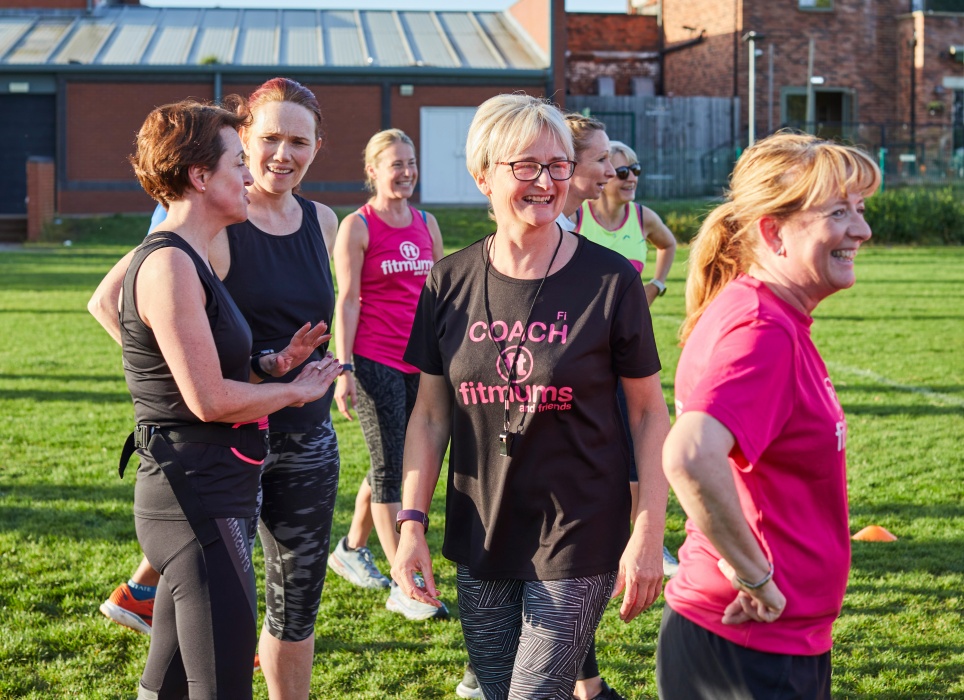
(520,339)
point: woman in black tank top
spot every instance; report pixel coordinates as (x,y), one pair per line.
(187,362)
(275,266)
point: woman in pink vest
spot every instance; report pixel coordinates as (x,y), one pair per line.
(383,254)
(757,457)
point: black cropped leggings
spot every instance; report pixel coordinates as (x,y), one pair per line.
(204,632)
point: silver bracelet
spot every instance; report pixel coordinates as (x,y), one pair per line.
(759,584)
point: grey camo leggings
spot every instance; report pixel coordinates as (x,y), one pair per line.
(527,639)
(299,482)
(386,397)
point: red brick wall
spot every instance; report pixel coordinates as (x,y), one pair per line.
(936,33)
(41,194)
(856,48)
(706,68)
(590,33)
(104,118)
(612,32)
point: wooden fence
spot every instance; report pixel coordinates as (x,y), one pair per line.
(685,144)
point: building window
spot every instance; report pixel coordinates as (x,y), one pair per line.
(833,111)
(816,5)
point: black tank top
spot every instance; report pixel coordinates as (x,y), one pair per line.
(226,485)
(156,397)
(280,283)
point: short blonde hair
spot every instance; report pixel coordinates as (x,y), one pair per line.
(777,177)
(378,143)
(506,124)
(621,148)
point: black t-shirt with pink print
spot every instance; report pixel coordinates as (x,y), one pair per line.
(558,506)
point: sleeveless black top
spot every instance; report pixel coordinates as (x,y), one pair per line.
(226,485)
(280,283)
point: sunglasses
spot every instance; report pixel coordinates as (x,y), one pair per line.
(622,172)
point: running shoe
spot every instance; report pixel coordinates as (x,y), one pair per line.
(257,663)
(414,609)
(356,566)
(670,565)
(606,693)
(125,610)
(469,687)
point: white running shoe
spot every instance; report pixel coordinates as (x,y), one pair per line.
(356,566)
(413,609)
(670,565)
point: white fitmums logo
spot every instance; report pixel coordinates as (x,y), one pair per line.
(409,250)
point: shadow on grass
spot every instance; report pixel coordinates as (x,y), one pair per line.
(74,512)
(862,409)
(49,312)
(91,396)
(63,377)
(925,670)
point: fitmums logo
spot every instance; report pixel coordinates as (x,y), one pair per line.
(521,358)
(525,390)
(409,262)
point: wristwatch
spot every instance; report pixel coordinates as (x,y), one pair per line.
(659,285)
(404,515)
(256,363)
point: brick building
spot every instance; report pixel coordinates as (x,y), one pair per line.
(77,78)
(612,54)
(884,71)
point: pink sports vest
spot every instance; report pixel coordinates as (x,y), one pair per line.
(396,265)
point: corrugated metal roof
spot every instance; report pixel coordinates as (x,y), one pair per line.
(40,41)
(139,35)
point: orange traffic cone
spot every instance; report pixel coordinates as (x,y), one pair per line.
(874,533)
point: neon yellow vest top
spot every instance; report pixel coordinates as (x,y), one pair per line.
(629,239)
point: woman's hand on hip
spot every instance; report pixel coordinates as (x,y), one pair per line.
(641,575)
(763,604)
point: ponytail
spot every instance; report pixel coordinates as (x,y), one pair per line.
(777,177)
(719,253)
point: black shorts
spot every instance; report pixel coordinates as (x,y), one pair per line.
(693,663)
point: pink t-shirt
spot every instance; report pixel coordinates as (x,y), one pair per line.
(751,364)
(396,264)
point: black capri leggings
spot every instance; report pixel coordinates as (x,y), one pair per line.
(204,632)
(386,397)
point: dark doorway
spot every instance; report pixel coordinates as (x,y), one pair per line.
(27,128)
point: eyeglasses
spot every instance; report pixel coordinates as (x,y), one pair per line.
(529,170)
(622,172)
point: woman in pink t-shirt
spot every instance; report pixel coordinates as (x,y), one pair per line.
(757,455)
(383,254)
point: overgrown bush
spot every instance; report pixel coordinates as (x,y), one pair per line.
(917,216)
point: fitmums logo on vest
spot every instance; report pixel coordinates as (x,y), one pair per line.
(409,261)
(531,396)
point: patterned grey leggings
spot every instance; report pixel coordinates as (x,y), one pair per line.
(299,483)
(527,639)
(386,397)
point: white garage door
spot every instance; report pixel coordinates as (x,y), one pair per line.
(441,164)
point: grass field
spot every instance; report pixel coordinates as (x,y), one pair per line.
(895,347)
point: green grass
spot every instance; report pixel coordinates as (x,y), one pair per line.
(894,345)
